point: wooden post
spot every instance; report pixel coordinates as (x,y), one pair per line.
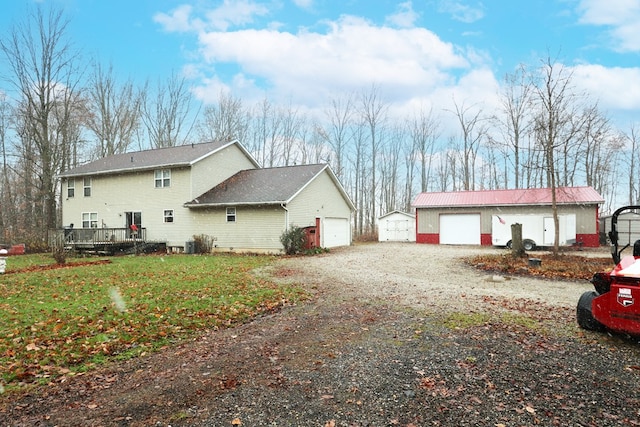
(517,248)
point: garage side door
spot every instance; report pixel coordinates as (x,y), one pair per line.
(335,232)
(460,229)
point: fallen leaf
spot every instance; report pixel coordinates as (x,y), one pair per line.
(236,422)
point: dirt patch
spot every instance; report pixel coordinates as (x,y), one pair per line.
(74,264)
(404,335)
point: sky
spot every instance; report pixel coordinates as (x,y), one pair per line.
(305,53)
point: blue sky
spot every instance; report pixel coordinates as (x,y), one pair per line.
(307,52)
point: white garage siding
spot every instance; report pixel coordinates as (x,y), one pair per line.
(460,229)
(335,232)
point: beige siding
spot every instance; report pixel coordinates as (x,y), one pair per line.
(428,219)
(320,199)
(254,228)
(211,171)
(113,195)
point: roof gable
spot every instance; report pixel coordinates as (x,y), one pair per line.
(516,197)
(397,212)
(169,157)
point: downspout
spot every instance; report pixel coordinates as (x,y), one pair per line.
(286,216)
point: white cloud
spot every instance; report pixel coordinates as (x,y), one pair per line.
(235,12)
(176,21)
(622,17)
(405,17)
(616,88)
(352,54)
(230,13)
(303,4)
(462,12)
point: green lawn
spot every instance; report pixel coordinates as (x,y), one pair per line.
(61,321)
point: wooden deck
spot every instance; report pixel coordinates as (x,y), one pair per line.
(102,240)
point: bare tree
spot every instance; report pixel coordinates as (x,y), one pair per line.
(633,138)
(556,102)
(373,112)
(338,134)
(513,118)
(227,120)
(473,133)
(114,112)
(292,126)
(165,115)
(424,130)
(43,67)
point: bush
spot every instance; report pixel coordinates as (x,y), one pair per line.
(203,243)
(59,254)
(293,240)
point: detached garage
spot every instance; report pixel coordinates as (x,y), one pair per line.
(465,217)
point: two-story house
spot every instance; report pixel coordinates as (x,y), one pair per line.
(215,189)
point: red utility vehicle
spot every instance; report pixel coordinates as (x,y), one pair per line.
(615,303)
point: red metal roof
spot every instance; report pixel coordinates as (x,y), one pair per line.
(530,196)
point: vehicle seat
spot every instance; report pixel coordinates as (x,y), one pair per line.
(636,248)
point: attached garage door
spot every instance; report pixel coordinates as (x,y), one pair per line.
(335,232)
(460,229)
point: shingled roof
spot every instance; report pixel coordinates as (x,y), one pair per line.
(262,186)
(170,157)
(517,197)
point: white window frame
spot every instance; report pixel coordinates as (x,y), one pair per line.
(231,214)
(168,216)
(86,186)
(71,188)
(89,219)
(162,178)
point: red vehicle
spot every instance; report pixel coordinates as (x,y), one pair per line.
(615,303)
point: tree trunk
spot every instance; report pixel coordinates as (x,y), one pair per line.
(517,248)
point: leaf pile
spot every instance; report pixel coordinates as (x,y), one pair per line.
(563,266)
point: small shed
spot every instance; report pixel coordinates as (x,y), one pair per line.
(397,226)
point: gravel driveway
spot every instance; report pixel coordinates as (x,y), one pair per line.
(422,276)
(395,335)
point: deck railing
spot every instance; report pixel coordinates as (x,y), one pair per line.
(92,236)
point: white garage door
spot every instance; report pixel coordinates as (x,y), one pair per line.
(335,232)
(460,229)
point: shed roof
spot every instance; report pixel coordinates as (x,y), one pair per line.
(396,212)
(516,197)
(169,157)
(264,186)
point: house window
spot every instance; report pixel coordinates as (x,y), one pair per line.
(86,182)
(90,220)
(231,214)
(168,215)
(71,188)
(162,178)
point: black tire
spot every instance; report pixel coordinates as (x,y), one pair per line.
(528,245)
(508,245)
(584,314)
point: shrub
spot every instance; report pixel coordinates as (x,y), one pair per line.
(293,240)
(203,243)
(59,254)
